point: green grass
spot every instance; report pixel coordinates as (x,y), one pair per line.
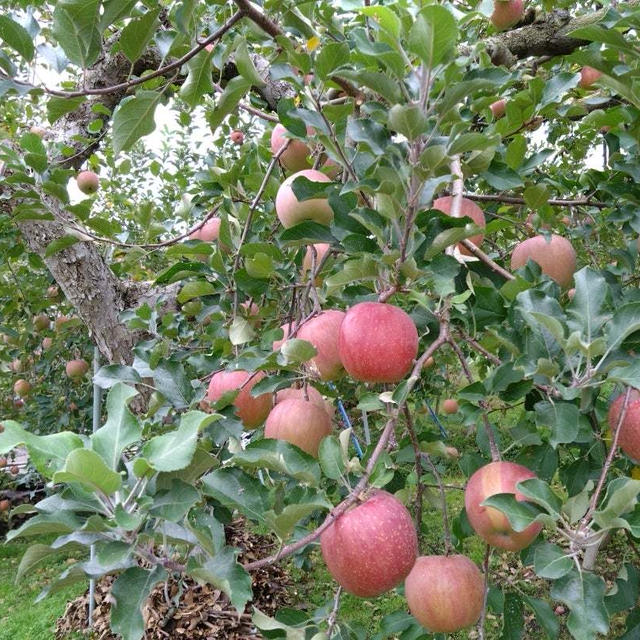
(20,617)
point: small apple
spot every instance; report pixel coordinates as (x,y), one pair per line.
(450,406)
(506,13)
(47,343)
(16,366)
(3,462)
(299,422)
(445,593)
(629,437)
(371,547)
(498,108)
(22,388)
(14,470)
(4,505)
(237,137)
(294,158)
(87,182)
(252,411)
(490,523)
(292,211)
(430,362)
(469,209)
(39,131)
(571,293)
(378,342)
(76,369)
(588,75)
(252,311)
(556,257)
(53,292)
(41,322)
(61,321)
(322,332)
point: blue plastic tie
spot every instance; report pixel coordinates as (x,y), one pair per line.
(347,422)
(434,417)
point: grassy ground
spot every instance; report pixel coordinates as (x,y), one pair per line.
(20,617)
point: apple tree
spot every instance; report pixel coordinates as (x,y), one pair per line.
(291,238)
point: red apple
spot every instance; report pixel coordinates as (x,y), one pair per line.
(588,75)
(4,505)
(306,393)
(41,322)
(498,108)
(46,343)
(506,13)
(556,257)
(252,411)
(445,593)
(294,158)
(208,232)
(22,388)
(53,291)
(291,211)
(490,523)
(450,406)
(629,437)
(237,137)
(322,332)
(87,182)
(372,547)
(299,422)
(16,366)
(76,369)
(467,208)
(378,342)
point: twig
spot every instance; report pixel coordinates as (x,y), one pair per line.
(448,547)
(483,257)
(418,460)
(333,616)
(556,202)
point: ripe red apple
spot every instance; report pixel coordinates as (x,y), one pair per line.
(322,332)
(588,75)
(18,403)
(556,257)
(87,182)
(506,13)
(430,362)
(378,342)
(41,322)
(294,158)
(445,593)
(252,411)
(237,137)
(629,437)
(372,547)
(467,208)
(22,388)
(14,470)
(450,406)
(299,422)
(4,505)
(489,523)
(306,393)
(498,108)
(76,369)
(291,211)
(208,232)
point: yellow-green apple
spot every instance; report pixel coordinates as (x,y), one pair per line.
(489,523)
(629,437)
(322,332)
(588,75)
(450,406)
(76,369)
(445,593)
(378,342)
(22,388)
(506,13)
(555,256)
(371,547)
(467,208)
(300,422)
(87,182)
(292,211)
(252,411)
(294,157)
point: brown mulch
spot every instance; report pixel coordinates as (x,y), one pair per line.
(203,612)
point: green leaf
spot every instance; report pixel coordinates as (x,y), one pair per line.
(135,37)
(60,244)
(302,505)
(551,562)
(44,523)
(195,289)
(519,514)
(224,572)
(115,10)
(408,120)
(278,455)
(625,321)
(624,593)
(245,65)
(241,331)
(88,469)
(174,503)
(199,79)
(265,623)
(433,35)
(295,351)
(17,37)
(121,428)
(545,616)
(331,458)
(583,593)
(332,56)
(75,26)
(237,490)
(538,491)
(586,308)
(386,18)
(58,107)
(576,506)
(513,617)
(621,497)
(307,232)
(111,374)
(133,119)
(564,419)
(130,592)
(36,554)
(174,450)
(172,382)
(235,90)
